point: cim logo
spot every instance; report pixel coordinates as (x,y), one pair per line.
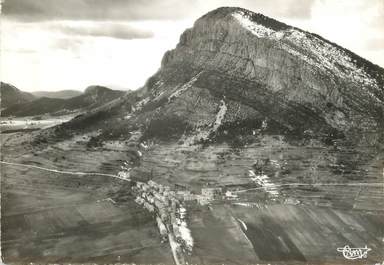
(354,253)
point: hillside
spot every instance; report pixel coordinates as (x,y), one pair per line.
(63,94)
(93,97)
(10,95)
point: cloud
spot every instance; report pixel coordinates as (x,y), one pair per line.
(45,41)
(128,10)
(124,10)
(104,29)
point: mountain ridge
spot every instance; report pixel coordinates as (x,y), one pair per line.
(93,97)
(298,81)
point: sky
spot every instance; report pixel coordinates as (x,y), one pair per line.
(71,44)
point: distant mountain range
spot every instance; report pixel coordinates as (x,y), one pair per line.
(64,94)
(18,103)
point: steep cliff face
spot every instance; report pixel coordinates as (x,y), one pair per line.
(295,79)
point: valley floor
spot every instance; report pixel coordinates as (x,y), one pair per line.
(52,217)
(11,125)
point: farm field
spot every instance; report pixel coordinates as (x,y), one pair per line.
(272,233)
(218,238)
(53,218)
(309,233)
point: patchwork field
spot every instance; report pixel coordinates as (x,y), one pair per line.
(276,233)
(287,232)
(53,218)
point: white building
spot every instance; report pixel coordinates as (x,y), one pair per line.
(212,193)
(123,175)
(230,196)
(203,200)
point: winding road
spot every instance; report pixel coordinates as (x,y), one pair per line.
(58,171)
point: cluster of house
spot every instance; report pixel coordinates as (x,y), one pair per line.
(170,214)
(207,195)
(168,207)
(124,175)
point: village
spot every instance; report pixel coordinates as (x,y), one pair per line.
(169,208)
(169,204)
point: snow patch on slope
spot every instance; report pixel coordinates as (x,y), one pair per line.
(220,115)
(139,105)
(203,133)
(184,87)
(257,29)
(265,182)
(323,55)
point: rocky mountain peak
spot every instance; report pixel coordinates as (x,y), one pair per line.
(237,70)
(227,13)
(239,32)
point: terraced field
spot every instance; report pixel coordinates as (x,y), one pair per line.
(53,218)
(360,170)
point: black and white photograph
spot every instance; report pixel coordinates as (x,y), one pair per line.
(192,132)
